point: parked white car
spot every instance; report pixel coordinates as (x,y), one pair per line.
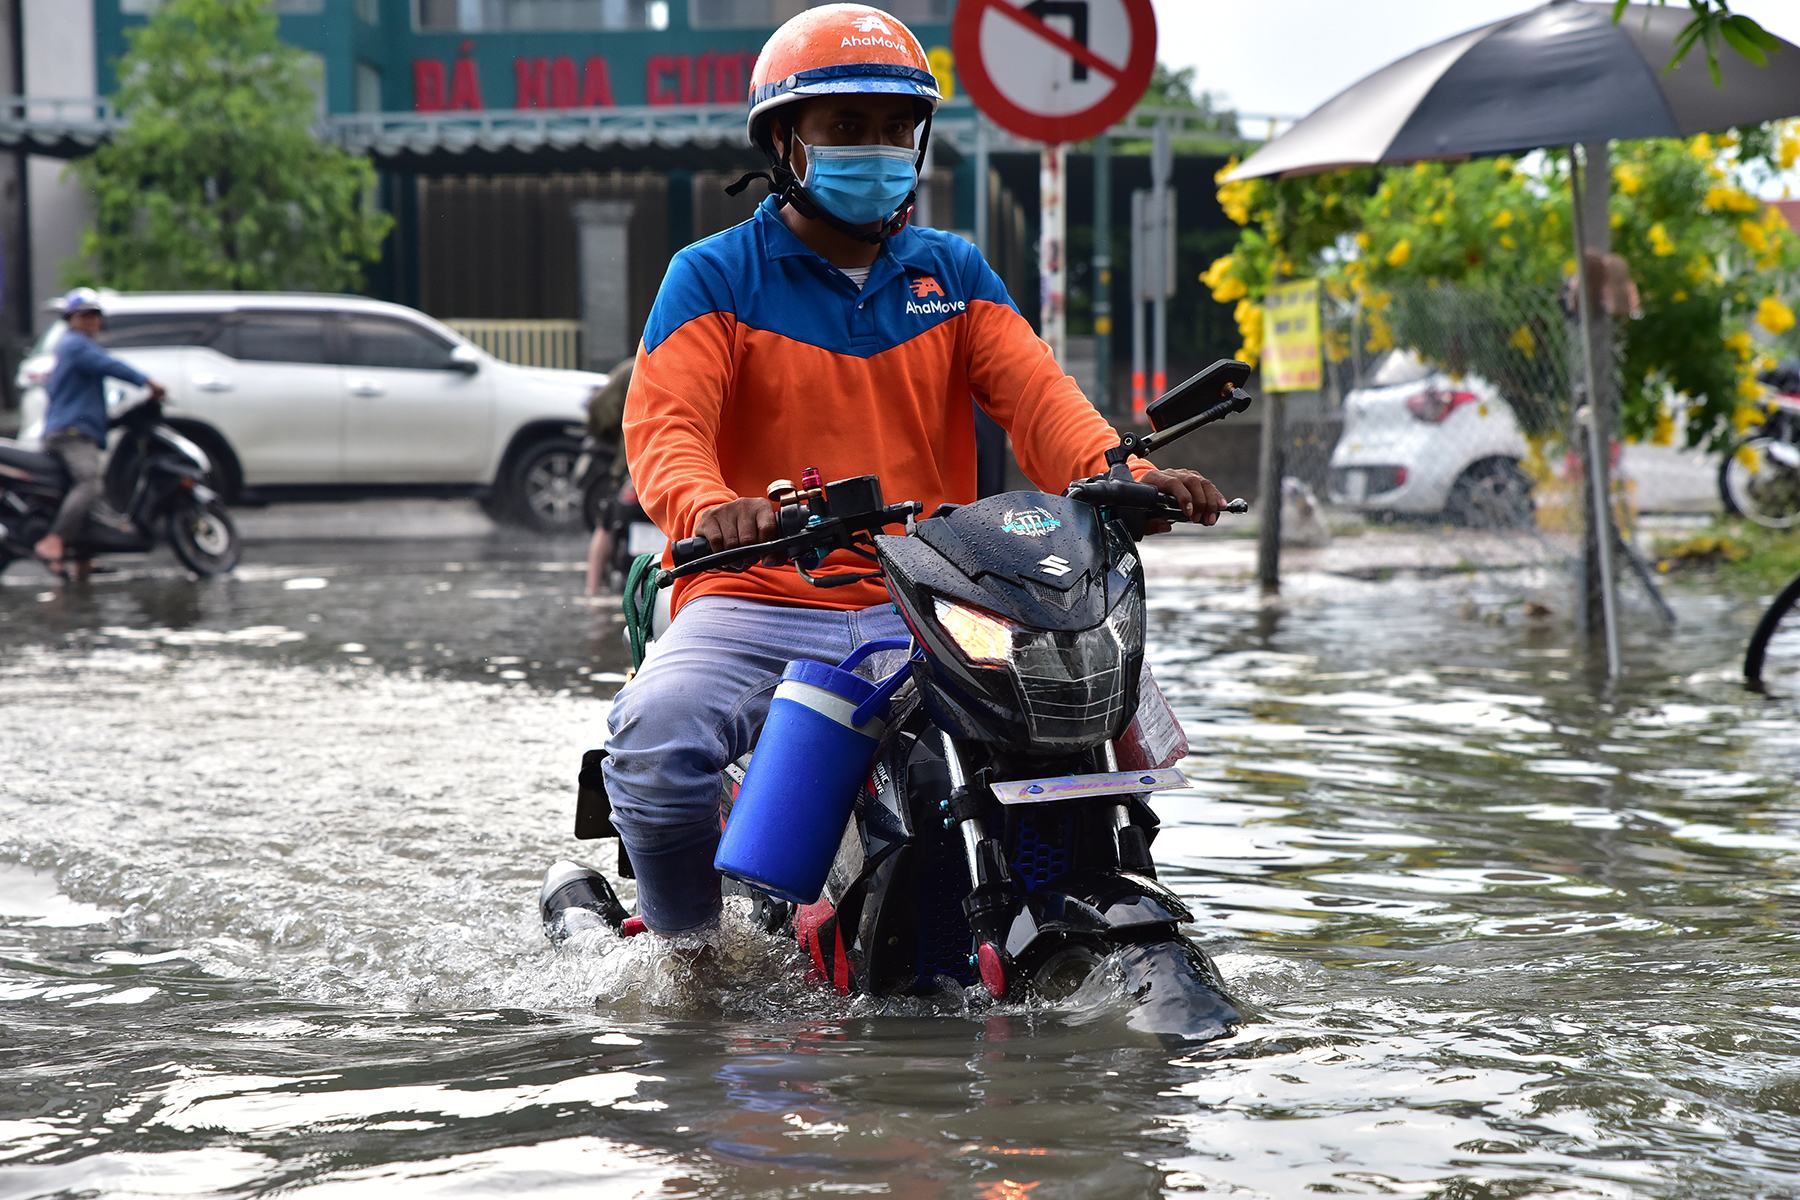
(1417,442)
(293,394)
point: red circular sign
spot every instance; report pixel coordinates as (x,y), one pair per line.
(991,61)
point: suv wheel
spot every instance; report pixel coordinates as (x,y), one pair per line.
(542,492)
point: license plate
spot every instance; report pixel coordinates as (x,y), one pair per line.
(1356,486)
(1074,787)
(644,538)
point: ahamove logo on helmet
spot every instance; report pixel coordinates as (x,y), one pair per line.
(871,25)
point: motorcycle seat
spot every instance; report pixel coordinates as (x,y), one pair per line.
(46,468)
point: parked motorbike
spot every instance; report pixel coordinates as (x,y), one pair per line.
(1003,835)
(154,479)
(1760,477)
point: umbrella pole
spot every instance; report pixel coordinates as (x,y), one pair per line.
(1598,441)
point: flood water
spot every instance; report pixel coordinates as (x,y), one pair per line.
(270,848)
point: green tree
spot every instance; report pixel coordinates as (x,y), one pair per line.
(1714,22)
(1709,258)
(216,180)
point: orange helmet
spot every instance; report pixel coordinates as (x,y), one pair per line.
(836,49)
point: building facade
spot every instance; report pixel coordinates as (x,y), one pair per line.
(543,159)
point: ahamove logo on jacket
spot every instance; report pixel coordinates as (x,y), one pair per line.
(925,286)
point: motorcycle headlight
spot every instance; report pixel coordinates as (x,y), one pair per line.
(980,635)
(1073,684)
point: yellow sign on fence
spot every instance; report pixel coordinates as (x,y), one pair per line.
(1291,359)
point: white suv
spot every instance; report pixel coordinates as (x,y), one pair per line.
(294,395)
(1419,442)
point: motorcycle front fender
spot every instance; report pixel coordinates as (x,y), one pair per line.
(1115,907)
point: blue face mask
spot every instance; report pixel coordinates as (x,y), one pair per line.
(860,184)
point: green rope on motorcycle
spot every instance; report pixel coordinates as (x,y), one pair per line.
(640,606)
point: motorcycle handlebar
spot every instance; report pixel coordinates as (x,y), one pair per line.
(691,556)
(688,550)
(150,407)
(1120,493)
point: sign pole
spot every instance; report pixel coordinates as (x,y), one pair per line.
(1053,230)
(1102,396)
(1058,73)
(1163,219)
(1140,291)
(1292,361)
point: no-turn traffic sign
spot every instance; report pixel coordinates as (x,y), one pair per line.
(1054,71)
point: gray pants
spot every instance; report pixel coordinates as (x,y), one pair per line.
(81,455)
(697,704)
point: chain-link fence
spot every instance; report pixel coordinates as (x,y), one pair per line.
(1446,412)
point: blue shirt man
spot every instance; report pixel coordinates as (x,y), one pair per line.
(75,422)
(77,386)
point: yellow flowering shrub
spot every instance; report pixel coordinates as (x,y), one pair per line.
(1730,199)
(1225,286)
(1774,316)
(1787,145)
(1250,327)
(1708,257)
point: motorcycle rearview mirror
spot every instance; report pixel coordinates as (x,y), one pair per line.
(1188,400)
(1212,395)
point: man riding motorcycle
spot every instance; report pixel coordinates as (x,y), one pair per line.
(75,421)
(826,332)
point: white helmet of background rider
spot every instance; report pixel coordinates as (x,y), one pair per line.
(835,50)
(78,300)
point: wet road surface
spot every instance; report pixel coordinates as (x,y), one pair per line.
(269,851)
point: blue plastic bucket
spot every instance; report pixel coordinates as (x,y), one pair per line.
(816,748)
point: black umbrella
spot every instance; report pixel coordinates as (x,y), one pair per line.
(1555,76)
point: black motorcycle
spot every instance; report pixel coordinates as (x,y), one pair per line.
(155,479)
(1004,836)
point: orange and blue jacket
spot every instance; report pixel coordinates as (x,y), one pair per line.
(761,359)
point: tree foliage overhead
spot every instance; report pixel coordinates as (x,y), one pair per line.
(1710,260)
(217,180)
(1713,23)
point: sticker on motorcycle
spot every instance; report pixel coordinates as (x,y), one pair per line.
(1029,522)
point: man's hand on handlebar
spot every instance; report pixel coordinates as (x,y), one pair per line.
(157,391)
(1193,492)
(742,522)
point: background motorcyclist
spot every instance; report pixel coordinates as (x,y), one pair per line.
(605,414)
(824,332)
(75,420)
